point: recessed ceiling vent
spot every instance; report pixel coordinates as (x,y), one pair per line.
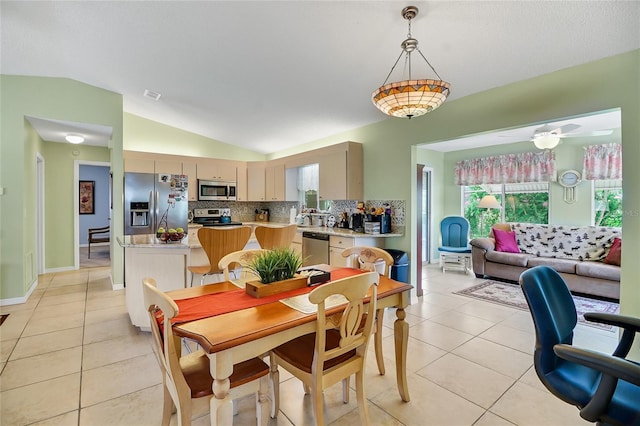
(152,95)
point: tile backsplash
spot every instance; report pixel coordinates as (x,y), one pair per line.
(244,211)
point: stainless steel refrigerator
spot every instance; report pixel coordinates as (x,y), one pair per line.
(154,200)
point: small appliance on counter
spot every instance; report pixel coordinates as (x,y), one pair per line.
(357,222)
(384,222)
(262,215)
(213,217)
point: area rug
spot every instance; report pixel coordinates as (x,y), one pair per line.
(511,295)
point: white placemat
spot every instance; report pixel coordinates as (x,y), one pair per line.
(301,303)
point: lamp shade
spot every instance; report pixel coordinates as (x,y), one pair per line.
(410,98)
(489,202)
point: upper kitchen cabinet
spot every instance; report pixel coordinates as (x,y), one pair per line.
(275,183)
(210,169)
(256,181)
(241,183)
(139,165)
(341,174)
(173,167)
(189,169)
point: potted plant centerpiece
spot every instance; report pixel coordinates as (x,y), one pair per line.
(277,270)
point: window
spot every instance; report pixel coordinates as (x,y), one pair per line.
(521,202)
(308,184)
(607,202)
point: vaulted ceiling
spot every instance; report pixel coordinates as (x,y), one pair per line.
(268,75)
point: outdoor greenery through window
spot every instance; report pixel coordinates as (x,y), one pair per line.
(521,202)
(607,202)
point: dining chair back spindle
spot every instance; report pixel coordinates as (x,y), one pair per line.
(188,377)
(271,237)
(337,349)
(218,242)
(379,260)
(239,260)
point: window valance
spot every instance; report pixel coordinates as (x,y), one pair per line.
(602,162)
(510,168)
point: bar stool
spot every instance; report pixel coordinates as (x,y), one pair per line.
(218,242)
(270,237)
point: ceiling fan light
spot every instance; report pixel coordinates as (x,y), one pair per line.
(74,139)
(546,141)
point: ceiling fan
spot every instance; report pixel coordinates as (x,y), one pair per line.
(548,136)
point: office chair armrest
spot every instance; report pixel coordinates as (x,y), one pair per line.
(623,321)
(617,367)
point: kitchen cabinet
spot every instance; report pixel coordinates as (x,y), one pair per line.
(241,184)
(296,244)
(275,183)
(139,165)
(337,244)
(173,167)
(167,265)
(210,169)
(256,181)
(189,169)
(341,175)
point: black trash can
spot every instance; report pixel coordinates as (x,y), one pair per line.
(400,267)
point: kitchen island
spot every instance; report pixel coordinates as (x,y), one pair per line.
(145,256)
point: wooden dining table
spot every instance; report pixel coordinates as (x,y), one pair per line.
(239,335)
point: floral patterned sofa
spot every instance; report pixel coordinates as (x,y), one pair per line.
(579,253)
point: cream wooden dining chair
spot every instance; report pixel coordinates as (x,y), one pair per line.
(188,377)
(372,259)
(270,237)
(218,242)
(336,350)
(238,259)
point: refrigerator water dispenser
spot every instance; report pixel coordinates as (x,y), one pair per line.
(139,214)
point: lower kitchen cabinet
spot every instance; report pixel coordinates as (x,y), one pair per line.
(337,244)
(168,266)
(296,244)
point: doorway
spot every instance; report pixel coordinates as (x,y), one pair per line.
(422,222)
(100,174)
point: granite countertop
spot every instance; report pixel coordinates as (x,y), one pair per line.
(342,232)
(151,241)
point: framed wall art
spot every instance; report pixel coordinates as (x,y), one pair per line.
(87,200)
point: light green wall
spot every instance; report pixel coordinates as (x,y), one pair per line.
(59,202)
(141,134)
(596,86)
(389,146)
(52,98)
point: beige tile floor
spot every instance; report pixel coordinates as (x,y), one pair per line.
(69,356)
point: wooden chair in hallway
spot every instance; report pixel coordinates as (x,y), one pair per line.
(96,235)
(336,350)
(378,260)
(270,237)
(217,243)
(189,377)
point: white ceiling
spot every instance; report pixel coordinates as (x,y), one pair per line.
(268,75)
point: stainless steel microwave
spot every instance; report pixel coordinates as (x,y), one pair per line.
(216,190)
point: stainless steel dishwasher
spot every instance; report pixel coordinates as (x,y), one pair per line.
(315,248)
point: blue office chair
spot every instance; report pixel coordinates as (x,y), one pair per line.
(606,388)
(455,251)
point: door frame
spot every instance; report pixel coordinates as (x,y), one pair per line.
(76,205)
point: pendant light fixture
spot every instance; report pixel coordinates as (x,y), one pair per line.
(410,98)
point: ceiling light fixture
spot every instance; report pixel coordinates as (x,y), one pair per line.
(546,140)
(75,139)
(410,98)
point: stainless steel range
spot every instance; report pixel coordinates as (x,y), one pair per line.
(213,217)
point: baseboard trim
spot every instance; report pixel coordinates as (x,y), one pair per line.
(20,300)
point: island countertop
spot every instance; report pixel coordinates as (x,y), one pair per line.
(151,241)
